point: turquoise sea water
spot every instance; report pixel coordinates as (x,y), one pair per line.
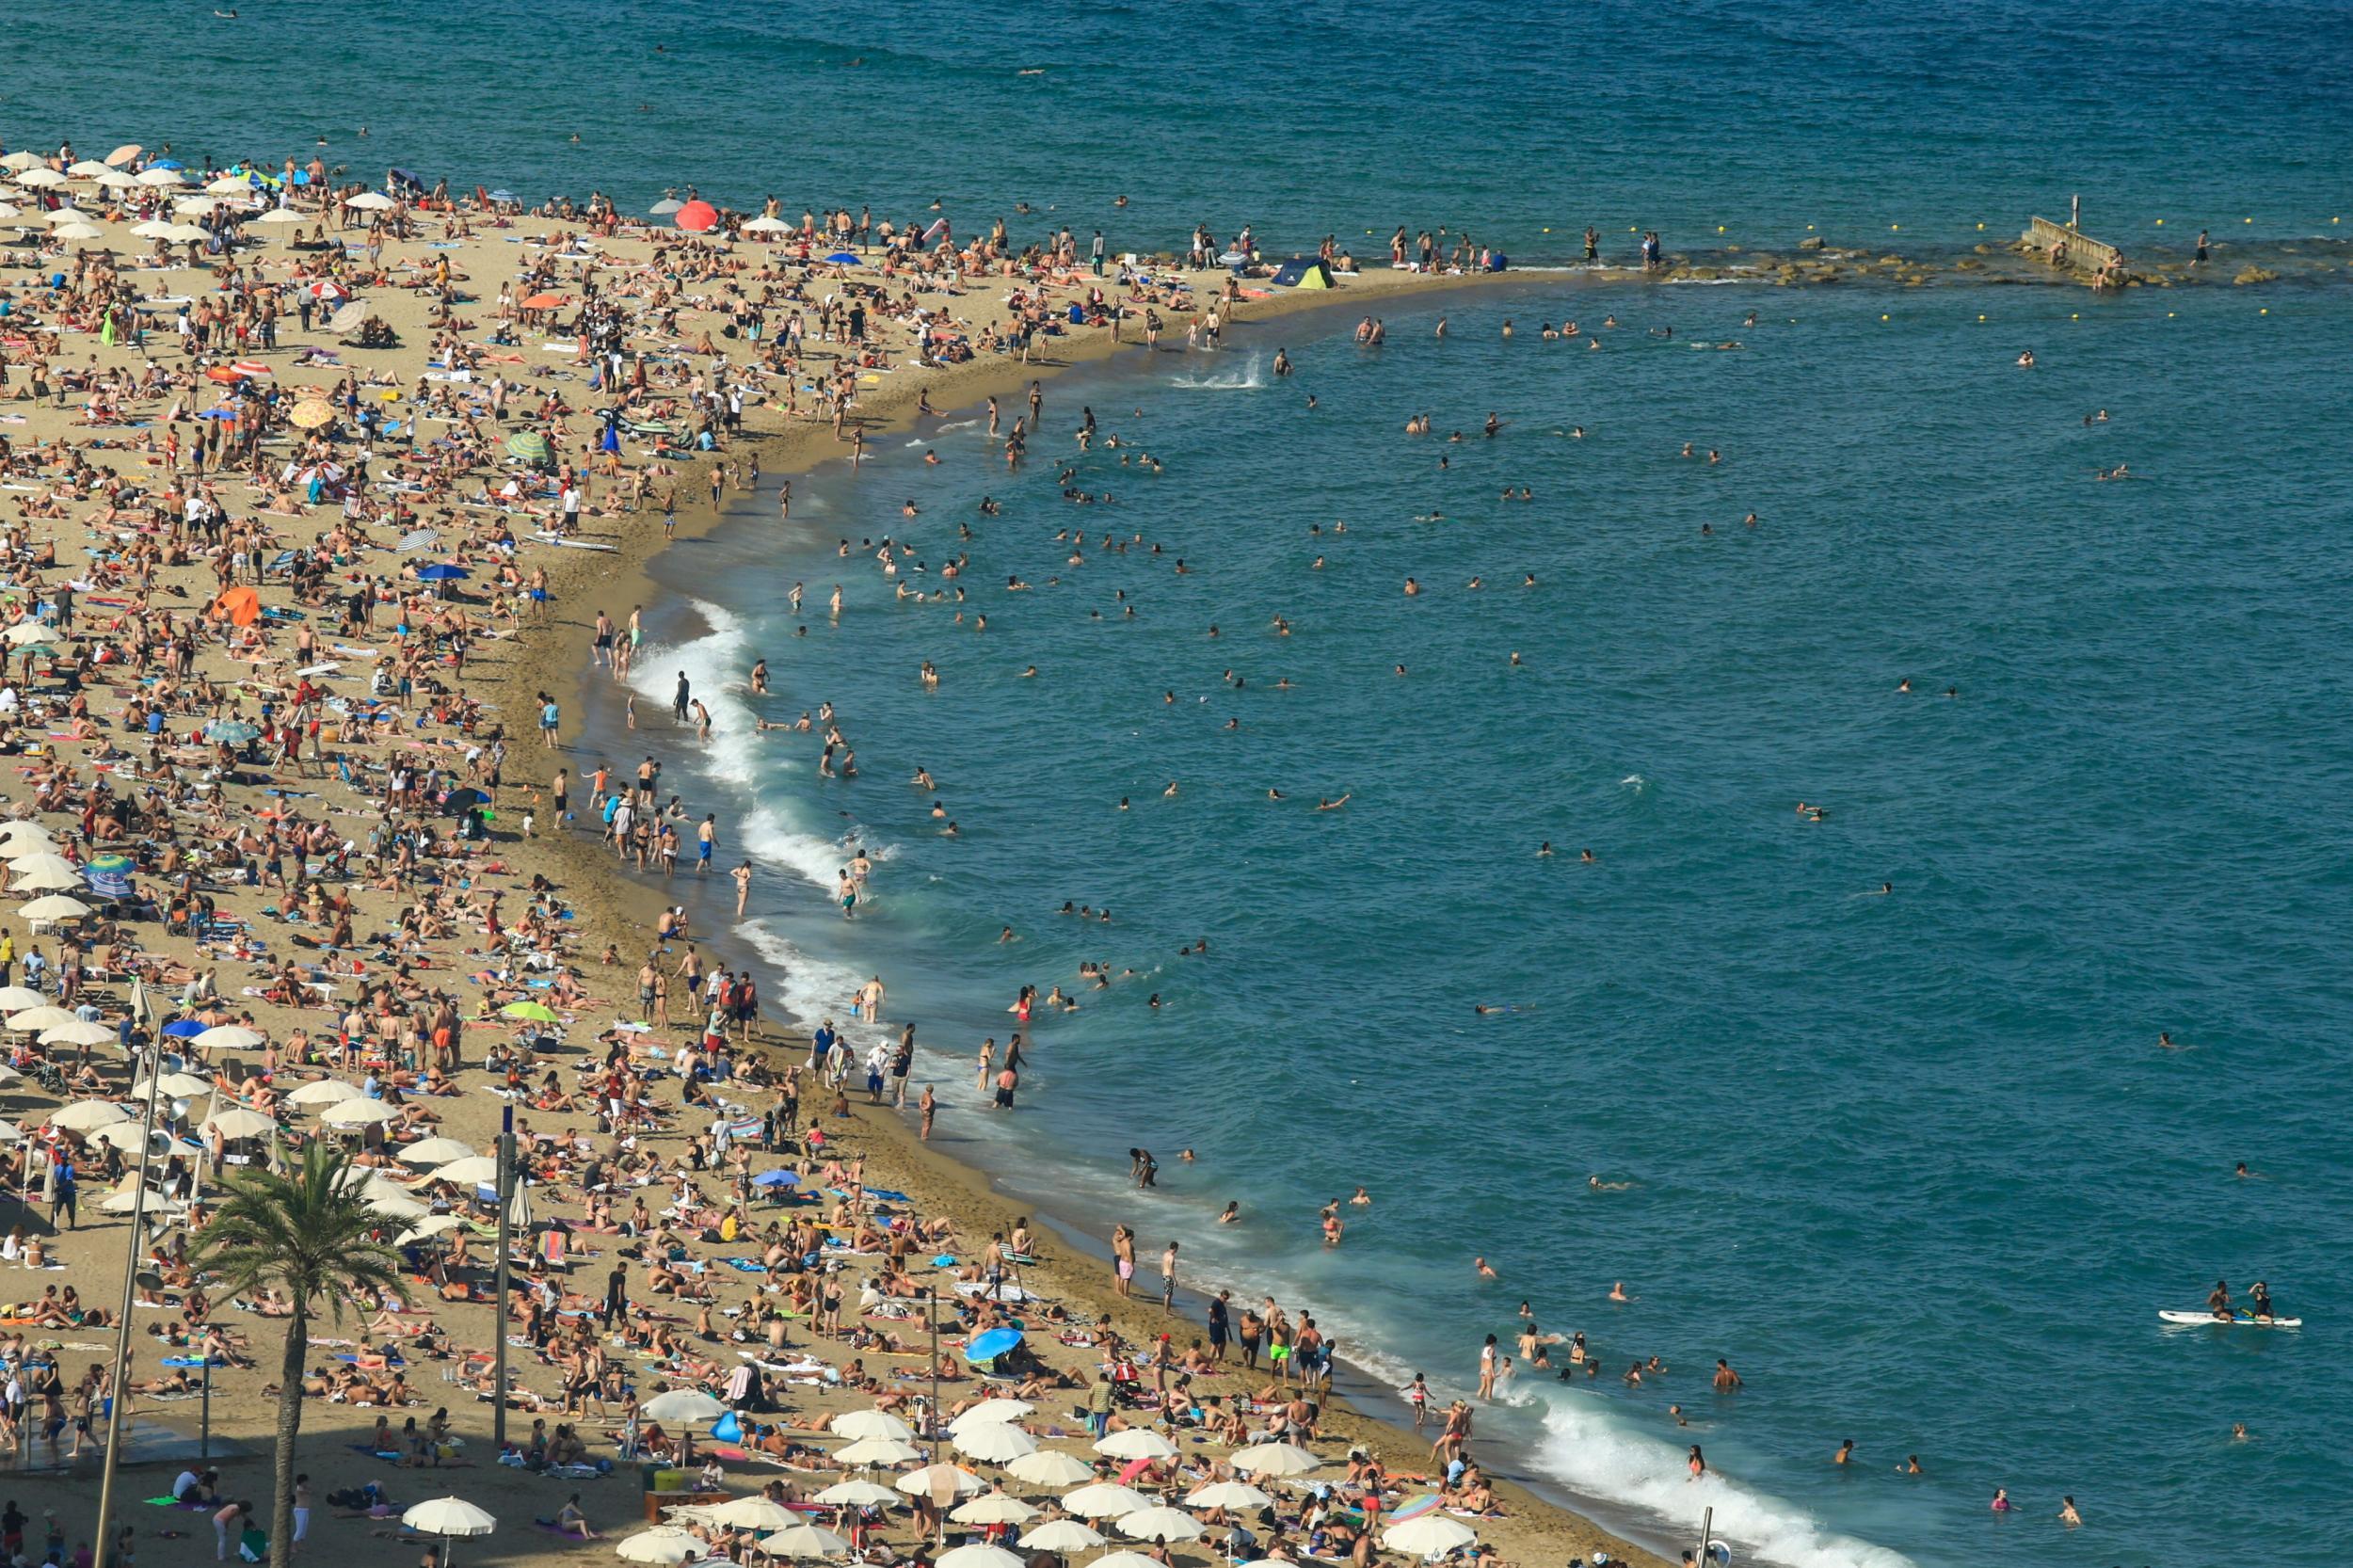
(1914,1162)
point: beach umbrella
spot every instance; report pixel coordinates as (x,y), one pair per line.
(154,228)
(994,1442)
(183,232)
(992,1410)
(41,178)
(441,571)
(161,177)
(114,179)
(46,879)
(1274,1459)
(978,1554)
(473,1170)
(697,217)
(776,1178)
(370,202)
(83,1032)
(1136,1443)
(280,215)
(128,1199)
(430,1225)
(232,184)
(11,831)
(76,231)
(989,1346)
(682,1404)
(7,211)
(88,1115)
(801,1540)
(121,1135)
(22,158)
(1125,1560)
(754,1512)
(32,843)
(349,319)
(128,152)
(87,170)
(844,258)
(660,209)
(1051,1467)
(357,1113)
(325,1091)
(240,1122)
(530,445)
(1233,1495)
(196,206)
(312,414)
(876,1451)
(871,1423)
(1061,1535)
(236,732)
(933,1480)
(56,906)
(435,1151)
(544,301)
(767,225)
(231,1037)
(41,860)
(1105,1500)
(9,1131)
(859,1494)
(994,1508)
(177,1086)
(448,1517)
(663,1544)
(33,1019)
(1161,1524)
(16,998)
(1431,1535)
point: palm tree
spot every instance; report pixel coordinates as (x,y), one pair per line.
(309,1233)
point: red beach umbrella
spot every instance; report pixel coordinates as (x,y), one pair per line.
(698,216)
(545,302)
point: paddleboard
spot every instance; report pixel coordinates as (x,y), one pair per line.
(2239,1319)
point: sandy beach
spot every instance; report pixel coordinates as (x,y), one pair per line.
(277,588)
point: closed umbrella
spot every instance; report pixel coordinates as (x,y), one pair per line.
(871,1423)
(1161,1524)
(802,1541)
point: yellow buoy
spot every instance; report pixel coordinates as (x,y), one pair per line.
(1980,228)
(1894,226)
(1882,318)
(1981,318)
(2265,310)
(2160,223)
(1809,227)
(2169,315)
(2074,315)
(1719,227)
(2247,220)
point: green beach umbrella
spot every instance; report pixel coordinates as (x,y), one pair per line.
(530,445)
(535,1012)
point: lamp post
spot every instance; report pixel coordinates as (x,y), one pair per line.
(116,1401)
(497,1302)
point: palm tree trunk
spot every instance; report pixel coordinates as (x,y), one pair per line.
(289,1427)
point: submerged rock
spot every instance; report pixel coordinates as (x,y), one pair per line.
(2255,275)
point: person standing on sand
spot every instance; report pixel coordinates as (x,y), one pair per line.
(743,875)
(1168,1278)
(1123,1260)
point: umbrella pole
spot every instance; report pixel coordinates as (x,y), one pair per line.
(130,1284)
(931,1314)
(498,1308)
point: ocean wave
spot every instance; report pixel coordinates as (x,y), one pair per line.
(738,754)
(1249,378)
(1590,1451)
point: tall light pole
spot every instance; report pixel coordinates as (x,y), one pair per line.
(130,1287)
(498,1301)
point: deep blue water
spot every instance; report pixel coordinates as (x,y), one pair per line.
(1914,1162)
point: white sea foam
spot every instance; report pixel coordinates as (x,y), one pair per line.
(1249,378)
(739,755)
(1589,1450)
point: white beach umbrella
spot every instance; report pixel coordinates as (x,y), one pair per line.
(871,1423)
(16,998)
(1161,1524)
(1235,1497)
(754,1512)
(196,206)
(281,214)
(153,229)
(683,1404)
(44,859)
(23,158)
(1430,1535)
(47,879)
(936,1480)
(993,1442)
(358,1112)
(430,1225)
(397,1208)
(325,1091)
(69,214)
(994,1508)
(801,1540)
(231,1037)
(55,907)
(472,1170)
(978,1554)
(991,1410)
(182,232)
(33,1019)
(161,177)
(1061,1535)
(1274,1459)
(77,231)
(1125,1560)
(876,1451)
(121,1135)
(370,202)
(41,178)
(178,1086)
(661,1545)
(86,168)
(448,1517)
(81,1032)
(8,211)
(9,1131)
(1105,1500)
(26,838)
(232,184)
(128,1199)
(114,179)
(88,1115)
(435,1151)
(767,225)
(1051,1467)
(1136,1443)
(859,1494)
(240,1122)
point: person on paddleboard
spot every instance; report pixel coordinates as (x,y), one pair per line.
(2259,1301)
(2219,1303)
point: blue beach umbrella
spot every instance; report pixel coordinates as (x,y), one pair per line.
(844,258)
(437,572)
(235,731)
(775,1178)
(989,1346)
(183,1029)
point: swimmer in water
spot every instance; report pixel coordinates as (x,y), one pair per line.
(1485,1270)
(1332,805)
(1617,1291)
(1361,1198)
(1600,1186)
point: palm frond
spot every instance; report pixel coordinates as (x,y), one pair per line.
(305,1232)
